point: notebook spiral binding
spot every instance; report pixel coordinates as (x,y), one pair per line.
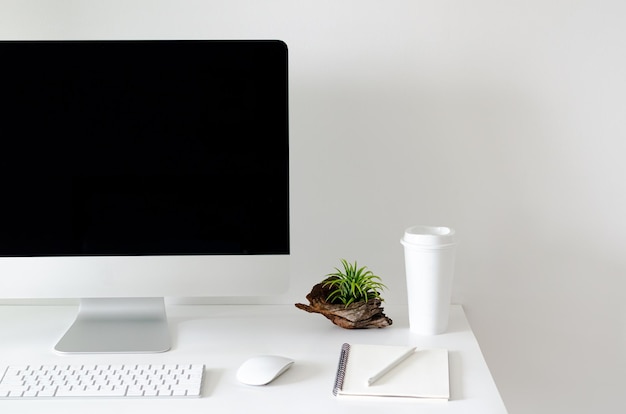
(341,369)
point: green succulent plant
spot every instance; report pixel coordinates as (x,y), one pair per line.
(352,284)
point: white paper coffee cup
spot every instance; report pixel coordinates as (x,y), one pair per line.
(429,257)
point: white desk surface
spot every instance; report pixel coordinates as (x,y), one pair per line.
(223,336)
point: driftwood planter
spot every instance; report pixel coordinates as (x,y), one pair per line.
(355,316)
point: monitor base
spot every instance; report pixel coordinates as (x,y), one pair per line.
(118,325)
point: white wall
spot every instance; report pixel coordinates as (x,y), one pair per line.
(505,120)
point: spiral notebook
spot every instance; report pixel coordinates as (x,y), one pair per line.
(423,374)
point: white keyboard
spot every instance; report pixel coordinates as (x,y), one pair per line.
(100,381)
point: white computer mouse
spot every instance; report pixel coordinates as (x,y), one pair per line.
(263,369)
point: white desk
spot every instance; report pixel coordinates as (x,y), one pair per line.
(222,337)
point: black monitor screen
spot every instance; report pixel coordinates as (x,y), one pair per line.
(143,148)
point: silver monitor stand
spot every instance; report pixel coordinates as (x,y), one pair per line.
(118,325)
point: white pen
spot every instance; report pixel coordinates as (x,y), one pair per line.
(391,366)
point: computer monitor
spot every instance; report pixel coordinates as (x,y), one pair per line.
(137,170)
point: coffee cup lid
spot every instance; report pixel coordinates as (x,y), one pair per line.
(435,236)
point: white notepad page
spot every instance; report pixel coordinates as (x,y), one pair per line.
(424,374)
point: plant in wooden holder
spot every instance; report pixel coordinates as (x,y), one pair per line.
(349,298)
